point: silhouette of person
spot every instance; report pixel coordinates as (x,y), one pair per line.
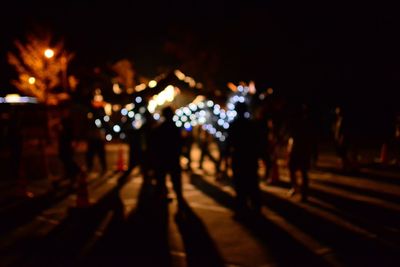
(148,150)
(301,145)
(168,147)
(187,136)
(96,146)
(204,143)
(135,148)
(243,146)
(65,145)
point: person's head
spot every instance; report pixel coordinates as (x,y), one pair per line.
(167,113)
(241,109)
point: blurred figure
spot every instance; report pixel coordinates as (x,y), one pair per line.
(187,136)
(135,138)
(96,147)
(148,147)
(341,138)
(223,160)
(65,145)
(300,150)
(244,148)
(205,139)
(168,147)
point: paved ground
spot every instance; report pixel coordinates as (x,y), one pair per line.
(350,220)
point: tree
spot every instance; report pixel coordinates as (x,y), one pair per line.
(41,67)
(125,73)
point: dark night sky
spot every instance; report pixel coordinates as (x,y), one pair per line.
(329,52)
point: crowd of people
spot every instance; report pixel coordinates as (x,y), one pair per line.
(157,147)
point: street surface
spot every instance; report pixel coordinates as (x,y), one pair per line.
(349,220)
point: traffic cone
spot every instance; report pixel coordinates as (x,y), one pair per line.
(22,185)
(120,166)
(82,192)
(384,154)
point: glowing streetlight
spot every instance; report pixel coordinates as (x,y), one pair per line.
(49,53)
(31,80)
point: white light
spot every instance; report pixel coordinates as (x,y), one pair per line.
(116,128)
(221,122)
(222,115)
(108,137)
(213,131)
(241,99)
(138,99)
(193,107)
(49,53)
(140,87)
(131,114)
(184,118)
(137,124)
(187,125)
(12,98)
(202,120)
(187,111)
(31,80)
(106,118)
(200,105)
(156,116)
(240,88)
(130,106)
(247,115)
(216,106)
(142,110)
(210,103)
(192,117)
(178,124)
(116,88)
(222,138)
(175,118)
(98,123)
(216,111)
(218,134)
(230,106)
(124,112)
(138,116)
(226,125)
(202,113)
(179,112)
(152,83)
(193,123)
(122,136)
(179,75)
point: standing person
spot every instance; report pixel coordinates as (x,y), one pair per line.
(187,135)
(205,140)
(301,144)
(96,146)
(65,146)
(168,147)
(243,146)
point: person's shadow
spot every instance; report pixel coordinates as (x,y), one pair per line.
(199,246)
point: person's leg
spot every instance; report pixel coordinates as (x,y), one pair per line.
(176,178)
(304,185)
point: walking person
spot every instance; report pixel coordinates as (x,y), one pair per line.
(300,149)
(243,146)
(168,147)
